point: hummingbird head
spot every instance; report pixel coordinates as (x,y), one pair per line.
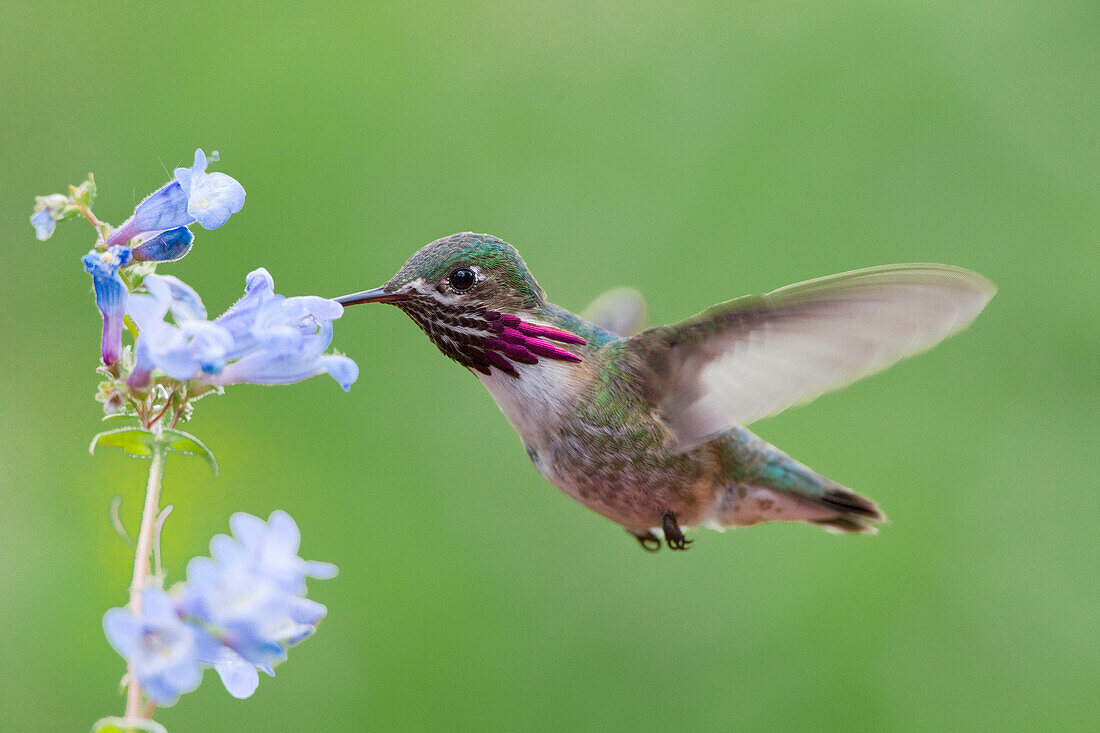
(475,298)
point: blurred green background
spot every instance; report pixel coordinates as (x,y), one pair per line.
(697,153)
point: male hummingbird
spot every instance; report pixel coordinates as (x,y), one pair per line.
(646,428)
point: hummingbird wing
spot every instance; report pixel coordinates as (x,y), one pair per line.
(755,356)
(619,310)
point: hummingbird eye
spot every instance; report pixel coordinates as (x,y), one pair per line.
(462,279)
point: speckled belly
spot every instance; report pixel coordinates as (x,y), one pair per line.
(634,485)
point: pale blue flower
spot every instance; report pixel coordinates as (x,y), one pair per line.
(280,340)
(238,612)
(111,296)
(163,650)
(193,195)
(249,597)
(43,223)
(264,338)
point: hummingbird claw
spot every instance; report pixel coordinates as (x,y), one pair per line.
(674,536)
(649,541)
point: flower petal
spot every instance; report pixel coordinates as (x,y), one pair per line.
(320,570)
(211,197)
(159,690)
(170,353)
(241,317)
(248,529)
(305,611)
(43,223)
(111,296)
(303,306)
(165,208)
(265,368)
(259,280)
(199,166)
(185,175)
(157,606)
(238,675)
(306,614)
(226,550)
(185,675)
(201,570)
(147,310)
(183,301)
(123,630)
(283,532)
(166,246)
(341,368)
(208,344)
(214,197)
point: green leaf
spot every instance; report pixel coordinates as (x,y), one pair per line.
(135,441)
(127,725)
(140,443)
(181,442)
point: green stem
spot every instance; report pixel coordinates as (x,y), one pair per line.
(141,563)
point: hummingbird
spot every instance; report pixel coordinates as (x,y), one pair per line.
(647,427)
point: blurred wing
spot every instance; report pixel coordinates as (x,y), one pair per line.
(620,310)
(755,356)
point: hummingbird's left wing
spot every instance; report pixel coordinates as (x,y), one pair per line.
(754,356)
(619,310)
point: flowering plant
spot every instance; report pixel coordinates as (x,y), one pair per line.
(241,608)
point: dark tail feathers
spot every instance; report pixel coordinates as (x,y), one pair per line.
(855,514)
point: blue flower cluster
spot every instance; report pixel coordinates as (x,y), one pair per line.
(160,221)
(237,612)
(263,339)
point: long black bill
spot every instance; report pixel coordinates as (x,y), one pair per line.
(377,295)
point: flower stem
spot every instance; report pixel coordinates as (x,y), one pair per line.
(141,561)
(167,404)
(90,216)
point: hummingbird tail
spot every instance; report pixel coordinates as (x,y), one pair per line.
(855,514)
(768,485)
(835,508)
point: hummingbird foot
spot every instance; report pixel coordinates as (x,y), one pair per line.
(674,536)
(649,541)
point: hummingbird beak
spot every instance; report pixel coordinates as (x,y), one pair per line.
(377,295)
